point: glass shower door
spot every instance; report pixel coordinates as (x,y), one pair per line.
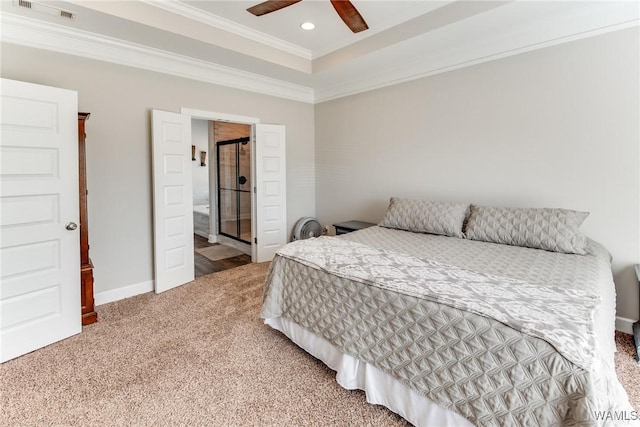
(234,189)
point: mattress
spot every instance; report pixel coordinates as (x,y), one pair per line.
(475,366)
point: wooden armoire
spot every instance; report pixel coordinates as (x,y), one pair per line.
(89,314)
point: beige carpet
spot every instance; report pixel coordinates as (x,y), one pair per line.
(627,368)
(218,252)
(195,355)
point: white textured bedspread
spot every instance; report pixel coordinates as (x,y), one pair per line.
(491,368)
(591,273)
(562,316)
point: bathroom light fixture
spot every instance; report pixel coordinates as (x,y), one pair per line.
(203,158)
(193,153)
(307,26)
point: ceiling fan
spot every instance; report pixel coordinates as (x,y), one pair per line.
(345,9)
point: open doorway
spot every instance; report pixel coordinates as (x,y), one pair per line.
(173,245)
(234,181)
(222,198)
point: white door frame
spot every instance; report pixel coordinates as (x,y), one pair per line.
(222,117)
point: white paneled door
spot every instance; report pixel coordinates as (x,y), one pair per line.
(39,217)
(172,200)
(271,190)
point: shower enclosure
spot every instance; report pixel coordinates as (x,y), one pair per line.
(234,189)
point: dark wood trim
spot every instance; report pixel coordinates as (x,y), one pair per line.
(349,226)
(234,141)
(89,314)
(82,155)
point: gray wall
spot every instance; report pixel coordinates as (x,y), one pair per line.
(554,127)
(200,175)
(119,147)
(557,127)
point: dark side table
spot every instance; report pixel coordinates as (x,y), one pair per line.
(636,326)
(349,226)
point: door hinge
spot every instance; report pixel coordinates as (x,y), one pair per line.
(255,240)
(255,189)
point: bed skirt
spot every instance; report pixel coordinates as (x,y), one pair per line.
(379,387)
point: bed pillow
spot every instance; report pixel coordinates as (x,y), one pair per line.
(553,230)
(424,216)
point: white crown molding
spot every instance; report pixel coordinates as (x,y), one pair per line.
(221,23)
(58,38)
(596,20)
(420,69)
(420,8)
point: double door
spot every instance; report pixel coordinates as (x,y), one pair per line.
(173,204)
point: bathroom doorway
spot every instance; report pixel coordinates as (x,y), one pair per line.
(222,198)
(173,231)
(222,182)
(234,188)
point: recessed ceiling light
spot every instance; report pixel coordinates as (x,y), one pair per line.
(307,26)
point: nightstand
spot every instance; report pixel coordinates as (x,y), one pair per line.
(636,326)
(349,226)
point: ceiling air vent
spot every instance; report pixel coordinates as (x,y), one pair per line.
(44,8)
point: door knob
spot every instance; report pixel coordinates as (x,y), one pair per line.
(71,226)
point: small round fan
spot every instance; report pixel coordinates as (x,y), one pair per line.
(306,228)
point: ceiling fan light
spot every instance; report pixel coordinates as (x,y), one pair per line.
(307,26)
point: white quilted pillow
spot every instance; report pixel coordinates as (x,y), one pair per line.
(424,216)
(553,230)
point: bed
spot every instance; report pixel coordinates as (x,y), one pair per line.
(439,323)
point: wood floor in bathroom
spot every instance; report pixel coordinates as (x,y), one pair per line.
(205,266)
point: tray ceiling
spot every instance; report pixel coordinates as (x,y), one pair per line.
(220,42)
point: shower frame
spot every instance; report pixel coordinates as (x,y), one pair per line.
(219,144)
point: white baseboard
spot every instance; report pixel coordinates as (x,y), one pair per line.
(624,325)
(123,292)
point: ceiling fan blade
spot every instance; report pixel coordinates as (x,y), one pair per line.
(270,6)
(350,15)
